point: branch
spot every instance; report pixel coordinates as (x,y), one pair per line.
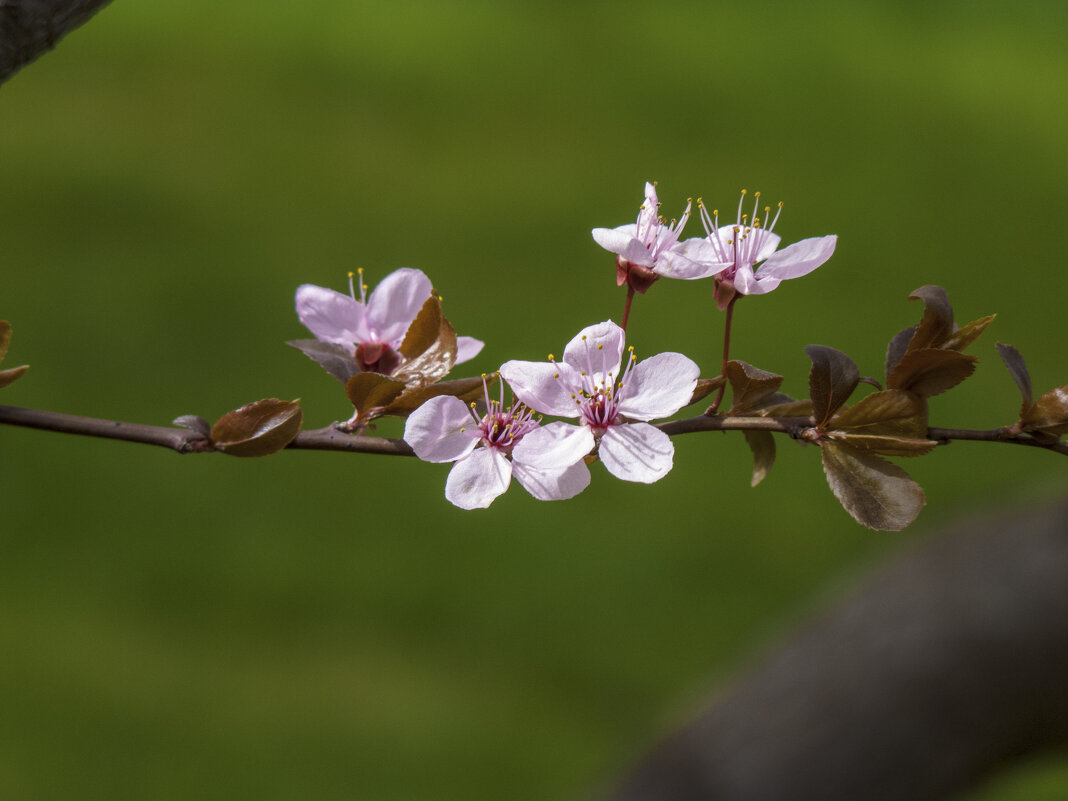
(330,438)
(940,669)
(30,28)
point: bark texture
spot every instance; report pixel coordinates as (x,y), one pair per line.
(29,28)
(938,670)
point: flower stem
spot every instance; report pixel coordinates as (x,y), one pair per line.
(726,354)
(626,307)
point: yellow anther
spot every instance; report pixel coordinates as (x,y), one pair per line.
(756,194)
(462,430)
(572,396)
(363,287)
(351,273)
(745,192)
(556,375)
(583,337)
(484,375)
(583,373)
(600,347)
(631,348)
(780,204)
(359,270)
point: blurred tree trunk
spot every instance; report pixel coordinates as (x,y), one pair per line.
(938,670)
(29,28)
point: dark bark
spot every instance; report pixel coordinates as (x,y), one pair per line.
(29,28)
(937,671)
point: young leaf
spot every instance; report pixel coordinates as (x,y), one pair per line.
(749,386)
(784,406)
(762,444)
(878,494)
(1018,370)
(194,422)
(831,381)
(1049,414)
(431,343)
(898,346)
(466,389)
(892,412)
(931,371)
(7,376)
(937,322)
(335,359)
(372,392)
(967,334)
(885,444)
(257,429)
(705,387)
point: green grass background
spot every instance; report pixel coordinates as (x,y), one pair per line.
(319,625)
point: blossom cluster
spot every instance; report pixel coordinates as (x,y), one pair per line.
(599,382)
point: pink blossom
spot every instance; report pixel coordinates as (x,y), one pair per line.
(751,240)
(371,328)
(613,408)
(649,248)
(483,449)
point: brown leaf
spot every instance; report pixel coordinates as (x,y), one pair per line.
(885,444)
(372,392)
(762,444)
(1049,413)
(424,330)
(7,376)
(257,429)
(705,387)
(1018,370)
(878,494)
(931,371)
(431,359)
(787,408)
(336,359)
(832,380)
(891,412)
(937,322)
(898,346)
(749,386)
(967,334)
(466,389)
(5,338)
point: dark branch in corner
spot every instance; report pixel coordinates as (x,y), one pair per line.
(30,28)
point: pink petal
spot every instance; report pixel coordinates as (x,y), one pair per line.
(637,452)
(543,386)
(689,260)
(798,259)
(748,284)
(467,348)
(475,481)
(441,430)
(554,446)
(769,243)
(553,485)
(331,316)
(583,353)
(615,240)
(659,386)
(395,302)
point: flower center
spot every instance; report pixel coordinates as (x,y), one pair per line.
(741,243)
(598,396)
(377,357)
(502,427)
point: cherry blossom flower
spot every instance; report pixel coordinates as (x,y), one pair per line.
(613,408)
(751,240)
(649,248)
(372,328)
(482,447)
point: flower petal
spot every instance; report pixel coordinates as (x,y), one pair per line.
(543,386)
(596,349)
(798,259)
(553,485)
(395,302)
(689,260)
(748,284)
(331,316)
(476,480)
(441,430)
(637,452)
(554,446)
(769,243)
(659,386)
(615,240)
(467,348)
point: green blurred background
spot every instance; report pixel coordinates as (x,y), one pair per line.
(320,625)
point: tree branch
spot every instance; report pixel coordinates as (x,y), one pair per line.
(30,28)
(330,438)
(940,669)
